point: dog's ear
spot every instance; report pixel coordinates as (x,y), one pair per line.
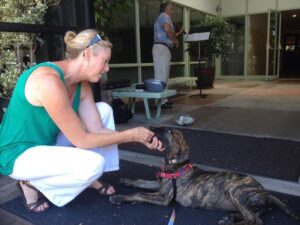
(178,136)
(152,128)
(184,146)
(155,127)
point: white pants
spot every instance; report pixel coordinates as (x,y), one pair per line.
(62,172)
(161,60)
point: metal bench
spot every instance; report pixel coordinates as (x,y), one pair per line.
(183,81)
(132,94)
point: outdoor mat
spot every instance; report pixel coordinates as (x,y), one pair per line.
(268,157)
(91,208)
(247,119)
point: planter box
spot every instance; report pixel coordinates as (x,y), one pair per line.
(206,77)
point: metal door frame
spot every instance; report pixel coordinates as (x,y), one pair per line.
(276,48)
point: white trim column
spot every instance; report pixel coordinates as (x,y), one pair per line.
(186,56)
(138,37)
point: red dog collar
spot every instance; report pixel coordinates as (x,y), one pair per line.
(180,172)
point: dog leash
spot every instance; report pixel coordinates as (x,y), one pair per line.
(173,177)
(173,215)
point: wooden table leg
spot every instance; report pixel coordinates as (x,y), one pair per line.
(132,101)
(146,105)
(158,108)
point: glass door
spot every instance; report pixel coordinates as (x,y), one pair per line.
(256,45)
(273,47)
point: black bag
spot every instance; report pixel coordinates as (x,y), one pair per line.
(121,111)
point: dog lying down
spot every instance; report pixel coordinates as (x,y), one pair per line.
(229,191)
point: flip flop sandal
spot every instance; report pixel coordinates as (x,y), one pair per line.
(32,207)
(103,190)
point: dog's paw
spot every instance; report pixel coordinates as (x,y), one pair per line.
(226,220)
(115,199)
(223,222)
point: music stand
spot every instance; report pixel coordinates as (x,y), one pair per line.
(198,34)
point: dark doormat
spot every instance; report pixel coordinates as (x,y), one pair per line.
(274,158)
(90,208)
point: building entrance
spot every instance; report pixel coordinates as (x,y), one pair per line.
(290,42)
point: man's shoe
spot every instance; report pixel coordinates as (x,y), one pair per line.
(166,106)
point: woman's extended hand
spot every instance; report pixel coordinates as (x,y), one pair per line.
(155,144)
(146,137)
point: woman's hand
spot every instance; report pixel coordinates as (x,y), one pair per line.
(155,144)
(146,137)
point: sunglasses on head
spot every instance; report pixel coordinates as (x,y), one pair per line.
(95,39)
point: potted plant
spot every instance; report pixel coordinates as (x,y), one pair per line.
(105,12)
(17,49)
(9,73)
(220,39)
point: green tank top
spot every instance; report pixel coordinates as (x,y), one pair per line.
(24,125)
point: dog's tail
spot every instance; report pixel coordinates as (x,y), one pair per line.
(283,206)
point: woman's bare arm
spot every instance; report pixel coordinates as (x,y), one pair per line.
(50,92)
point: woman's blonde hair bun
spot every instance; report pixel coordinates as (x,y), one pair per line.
(76,43)
(69,36)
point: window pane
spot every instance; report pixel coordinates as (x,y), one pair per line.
(233,57)
(50,48)
(45,47)
(16,50)
(176,71)
(194,46)
(116,74)
(149,10)
(194,69)
(122,36)
(64,14)
(69,13)
(177,53)
(147,72)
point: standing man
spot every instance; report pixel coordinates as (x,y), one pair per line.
(164,40)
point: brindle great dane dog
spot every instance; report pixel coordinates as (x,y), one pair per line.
(225,190)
